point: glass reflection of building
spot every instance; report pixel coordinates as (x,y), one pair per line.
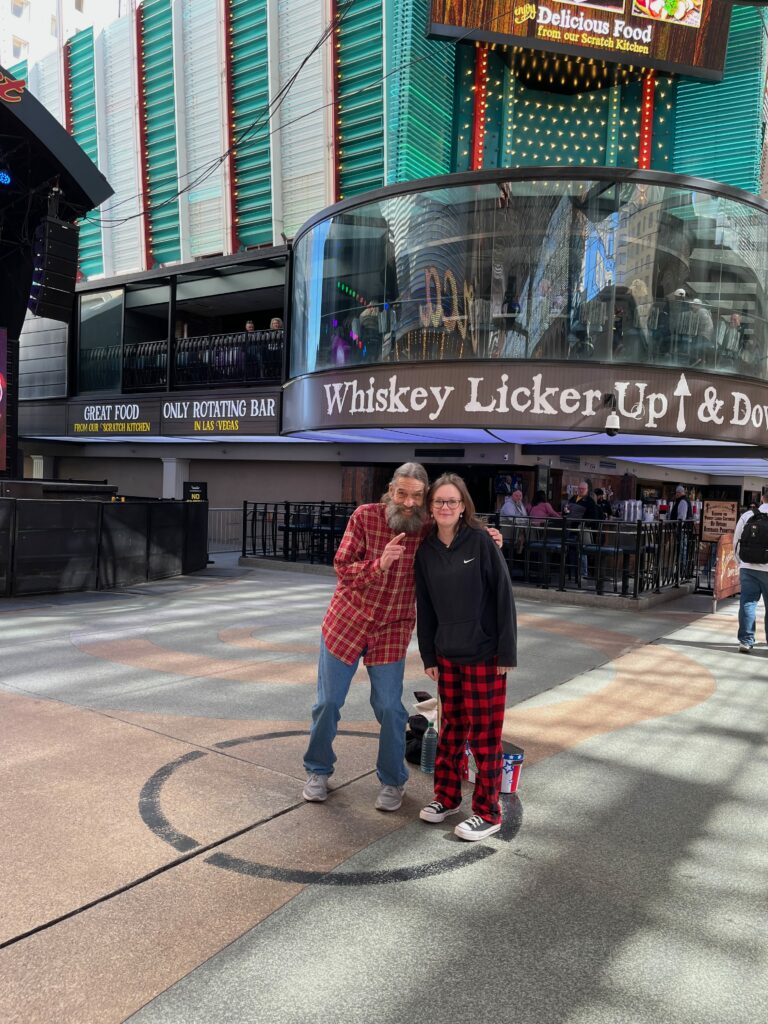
(640,268)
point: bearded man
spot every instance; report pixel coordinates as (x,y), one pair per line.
(371,616)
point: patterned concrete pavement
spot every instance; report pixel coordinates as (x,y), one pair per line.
(159,864)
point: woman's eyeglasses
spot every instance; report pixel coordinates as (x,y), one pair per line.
(450,503)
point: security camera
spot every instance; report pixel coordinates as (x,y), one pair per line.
(612,423)
(506,457)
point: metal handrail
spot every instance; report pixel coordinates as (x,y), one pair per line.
(629,558)
(294,531)
(204,360)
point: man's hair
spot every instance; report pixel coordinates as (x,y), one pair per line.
(680,489)
(414,470)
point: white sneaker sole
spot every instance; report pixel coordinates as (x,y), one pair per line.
(388,810)
(318,799)
(431,816)
(473,837)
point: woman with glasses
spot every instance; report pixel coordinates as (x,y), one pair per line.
(467,636)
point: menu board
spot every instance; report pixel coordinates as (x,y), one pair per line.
(726,581)
(684,36)
(718,518)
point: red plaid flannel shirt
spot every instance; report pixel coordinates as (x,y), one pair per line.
(372,609)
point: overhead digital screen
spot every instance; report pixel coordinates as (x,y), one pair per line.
(683,36)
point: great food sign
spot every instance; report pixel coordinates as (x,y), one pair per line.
(688,36)
(190,416)
(534,396)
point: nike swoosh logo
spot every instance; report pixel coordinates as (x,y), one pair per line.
(468,560)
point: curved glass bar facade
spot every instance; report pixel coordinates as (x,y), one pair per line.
(618,268)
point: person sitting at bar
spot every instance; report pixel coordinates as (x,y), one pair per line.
(541,508)
(516,508)
(514,505)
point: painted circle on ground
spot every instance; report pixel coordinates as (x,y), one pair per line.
(156,821)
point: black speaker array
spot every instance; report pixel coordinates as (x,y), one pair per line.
(55,269)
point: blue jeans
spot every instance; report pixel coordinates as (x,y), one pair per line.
(333,682)
(754,585)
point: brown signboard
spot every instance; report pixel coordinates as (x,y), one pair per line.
(727,570)
(194,415)
(530,395)
(683,36)
(718,518)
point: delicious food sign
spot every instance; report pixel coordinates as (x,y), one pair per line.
(686,36)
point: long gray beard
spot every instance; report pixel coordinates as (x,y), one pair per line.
(401,523)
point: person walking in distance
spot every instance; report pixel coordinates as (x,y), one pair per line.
(371,616)
(750,543)
(468,642)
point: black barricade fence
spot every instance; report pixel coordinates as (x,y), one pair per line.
(627,558)
(166,539)
(7,514)
(55,546)
(123,553)
(295,531)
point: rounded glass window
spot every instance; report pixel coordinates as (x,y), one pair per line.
(592,269)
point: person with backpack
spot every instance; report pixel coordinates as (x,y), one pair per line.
(750,543)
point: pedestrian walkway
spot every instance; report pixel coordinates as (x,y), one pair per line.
(158,864)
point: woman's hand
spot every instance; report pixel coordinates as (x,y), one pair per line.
(503,669)
(433,673)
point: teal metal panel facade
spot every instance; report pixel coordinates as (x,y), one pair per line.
(250,101)
(160,128)
(420,86)
(82,119)
(19,70)
(360,98)
(719,126)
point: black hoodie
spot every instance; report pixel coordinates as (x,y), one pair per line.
(464,603)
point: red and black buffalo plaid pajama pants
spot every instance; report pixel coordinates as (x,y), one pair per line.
(473,698)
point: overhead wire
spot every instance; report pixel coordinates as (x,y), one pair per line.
(259,123)
(268,112)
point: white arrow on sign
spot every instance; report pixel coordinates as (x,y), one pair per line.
(682,391)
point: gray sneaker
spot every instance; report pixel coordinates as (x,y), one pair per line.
(390,798)
(315,789)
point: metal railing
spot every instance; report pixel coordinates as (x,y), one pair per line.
(627,558)
(228,358)
(294,531)
(202,361)
(224,529)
